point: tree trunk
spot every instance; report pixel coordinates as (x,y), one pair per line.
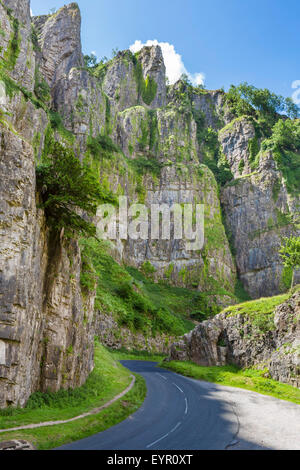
(293,278)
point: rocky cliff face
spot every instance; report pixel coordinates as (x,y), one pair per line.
(127,99)
(46,332)
(156,135)
(259,210)
(237,338)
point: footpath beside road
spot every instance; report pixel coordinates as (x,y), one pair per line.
(76,418)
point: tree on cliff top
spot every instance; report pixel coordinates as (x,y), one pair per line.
(248,100)
(290,254)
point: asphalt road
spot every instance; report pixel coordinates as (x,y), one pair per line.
(184,414)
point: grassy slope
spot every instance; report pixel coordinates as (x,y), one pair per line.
(135,300)
(249,379)
(263,306)
(260,312)
(107,380)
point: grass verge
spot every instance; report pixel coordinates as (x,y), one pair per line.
(249,379)
(263,306)
(107,380)
(125,355)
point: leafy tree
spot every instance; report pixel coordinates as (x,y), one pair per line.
(246,99)
(115,52)
(185,79)
(90,61)
(68,190)
(285,136)
(290,254)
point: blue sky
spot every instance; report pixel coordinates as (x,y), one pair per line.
(229,41)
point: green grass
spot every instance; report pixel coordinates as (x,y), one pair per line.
(134,300)
(125,355)
(107,380)
(139,303)
(249,379)
(263,305)
(260,312)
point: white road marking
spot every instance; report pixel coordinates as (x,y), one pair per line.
(166,435)
(161,376)
(176,427)
(186,406)
(178,388)
(158,440)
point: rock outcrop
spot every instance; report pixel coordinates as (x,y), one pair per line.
(117,337)
(16,445)
(233,338)
(60,43)
(259,211)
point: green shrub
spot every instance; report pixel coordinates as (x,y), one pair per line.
(101,147)
(12,53)
(146,89)
(143,165)
(211,149)
(57,124)
(148,269)
(41,87)
(251,101)
(35,39)
(66,185)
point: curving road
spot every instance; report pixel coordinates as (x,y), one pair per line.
(184,414)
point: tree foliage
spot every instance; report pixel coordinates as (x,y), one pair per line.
(101,146)
(69,189)
(285,136)
(90,61)
(290,253)
(248,100)
(284,142)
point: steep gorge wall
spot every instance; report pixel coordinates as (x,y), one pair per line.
(233,337)
(259,211)
(147,126)
(46,328)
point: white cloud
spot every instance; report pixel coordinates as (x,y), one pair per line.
(173,61)
(296,94)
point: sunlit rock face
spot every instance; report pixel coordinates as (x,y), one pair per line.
(232,338)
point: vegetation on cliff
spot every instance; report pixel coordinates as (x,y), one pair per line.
(130,298)
(290,254)
(65,186)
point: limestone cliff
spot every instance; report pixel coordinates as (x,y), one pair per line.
(269,341)
(157,162)
(46,332)
(259,210)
